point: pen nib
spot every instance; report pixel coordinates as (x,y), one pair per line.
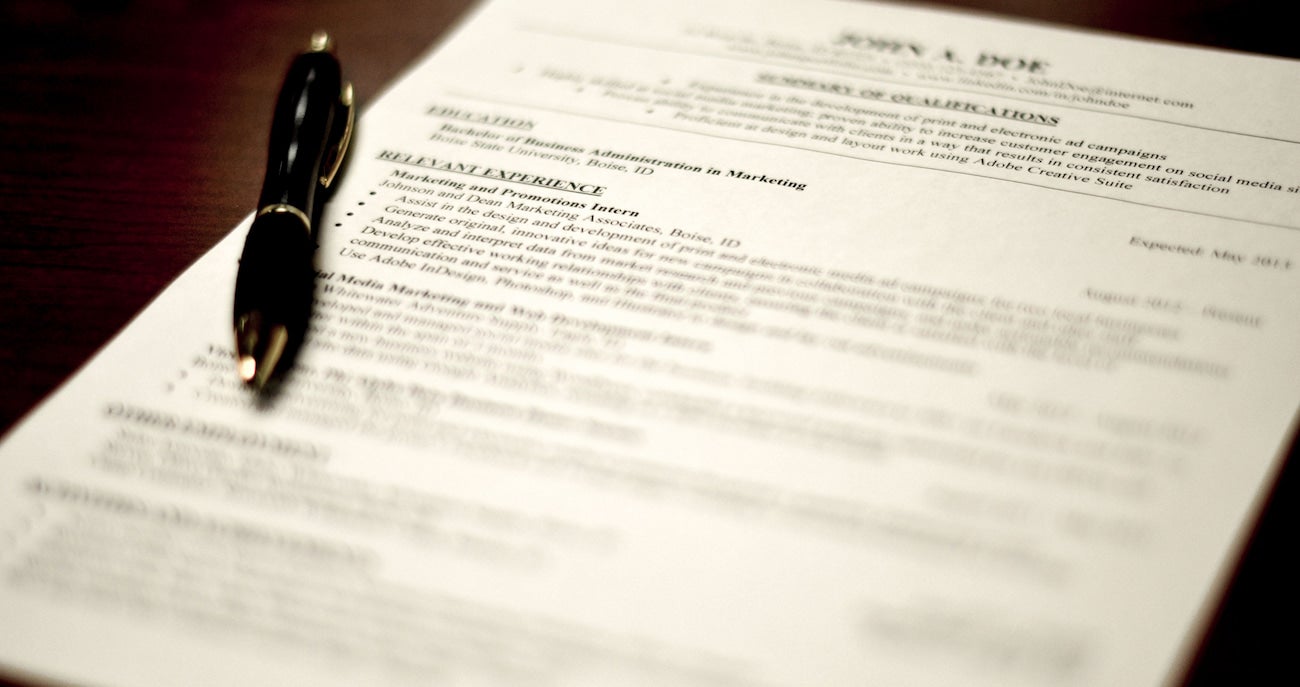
(247,368)
(259,347)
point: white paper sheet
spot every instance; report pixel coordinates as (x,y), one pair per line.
(707,343)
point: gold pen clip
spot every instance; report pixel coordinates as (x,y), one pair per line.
(334,156)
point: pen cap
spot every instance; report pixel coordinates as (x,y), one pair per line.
(301,131)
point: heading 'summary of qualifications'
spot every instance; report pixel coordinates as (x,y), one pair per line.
(706,344)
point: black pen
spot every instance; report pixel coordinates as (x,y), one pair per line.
(309,136)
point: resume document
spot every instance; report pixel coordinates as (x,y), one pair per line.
(707,344)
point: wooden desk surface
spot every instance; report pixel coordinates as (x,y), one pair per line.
(124,157)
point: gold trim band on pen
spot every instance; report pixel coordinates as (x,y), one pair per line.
(284,207)
(321,42)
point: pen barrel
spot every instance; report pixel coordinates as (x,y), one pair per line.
(301,131)
(275,281)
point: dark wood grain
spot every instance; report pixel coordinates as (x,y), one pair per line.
(126,150)
(124,155)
